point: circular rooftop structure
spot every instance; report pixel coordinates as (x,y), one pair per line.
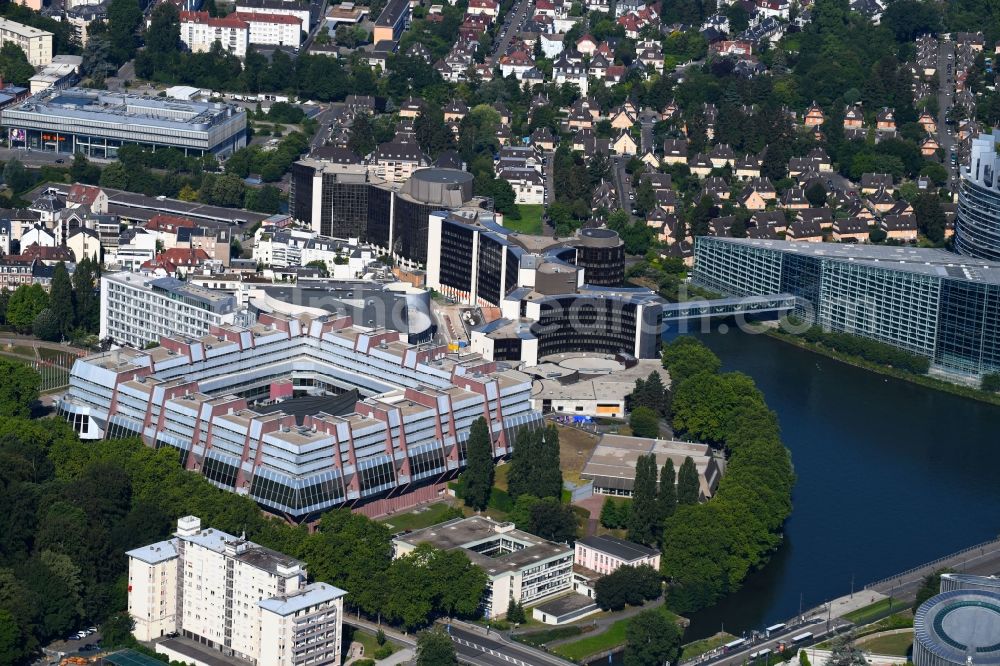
(958,628)
(449,188)
(599,237)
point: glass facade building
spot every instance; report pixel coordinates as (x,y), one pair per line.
(977,226)
(926,301)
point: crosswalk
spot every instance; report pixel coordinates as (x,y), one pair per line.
(486,650)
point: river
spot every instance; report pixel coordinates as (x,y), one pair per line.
(890,475)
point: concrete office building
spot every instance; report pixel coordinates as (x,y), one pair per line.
(958,628)
(200,32)
(229,403)
(611,465)
(137,309)
(520,567)
(926,301)
(36,44)
(299,10)
(97,123)
(352,203)
(228,594)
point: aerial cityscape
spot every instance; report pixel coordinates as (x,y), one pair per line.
(499,332)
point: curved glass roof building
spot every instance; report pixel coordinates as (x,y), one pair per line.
(977,227)
(957,628)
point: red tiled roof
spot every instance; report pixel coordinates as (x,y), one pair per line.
(83,194)
(254,17)
(168,223)
(205,19)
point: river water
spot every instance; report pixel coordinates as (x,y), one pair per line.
(890,475)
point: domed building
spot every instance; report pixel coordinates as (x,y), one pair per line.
(957,628)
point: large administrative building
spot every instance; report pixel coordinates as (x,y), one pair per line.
(231,403)
(926,301)
(350,202)
(958,627)
(977,226)
(97,123)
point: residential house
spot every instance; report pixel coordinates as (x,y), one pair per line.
(717,188)
(899,227)
(396,160)
(774,220)
(622,119)
(700,165)
(929,146)
(881,201)
(814,116)
(854,122)
(752,200)
(747,166)
(850,229)
(804,230)
(90,197)
(625,144)
(721,155)
(795,199)
(455,110)
(871,182)
(675,151)
(885,124)
(85,243)
(928,122)
(822,216)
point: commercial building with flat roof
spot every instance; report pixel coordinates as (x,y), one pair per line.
(97,123)
(611,465)
(234,596)
(928,302)
(208,397)
(137,309)
(36,43)
(519,566)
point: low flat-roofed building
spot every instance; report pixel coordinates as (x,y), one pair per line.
(588,385)
(605,553)
(62,72)
(520,566)
(97,123)
(611,466)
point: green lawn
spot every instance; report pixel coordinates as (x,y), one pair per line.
(895,644)
(872,612)
(419,518)
(696,648)
(368,640)
(530,222)
(539,638)
(608,639)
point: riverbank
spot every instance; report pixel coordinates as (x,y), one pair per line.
(889,371)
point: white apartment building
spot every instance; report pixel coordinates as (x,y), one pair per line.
(520,566)
(277,8)
(199,32)
(36,44)
(604,554)
(233,596)
(272,29)
(136,309)
(284,248)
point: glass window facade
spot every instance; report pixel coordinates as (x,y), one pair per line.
(922,300)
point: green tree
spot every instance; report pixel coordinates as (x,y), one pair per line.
(163,37)
(929,587)
(804,658)
(990,382)
(115,176)
(844,653)
(478,475)
(816,194)
(614,514)
(116,631)
(14,64)
(515,612)
(362,139)
(11,640)
(87,304)
(124,19)
(46,326)
(25,304)
(666,497)
(686,356)
(642,527)
(930,216)
(651,638)
(82,171)
(434,648)
(61,299)
(16,176)
(644,422)
(688,489)
(645,198)
(553,520)
(628,585)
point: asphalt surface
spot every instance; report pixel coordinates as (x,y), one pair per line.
(945,98)
(519,14)
(623,184)
(475,647)
(35,158)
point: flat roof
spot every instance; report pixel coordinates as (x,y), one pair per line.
(310,595)
(102,106)
(155,553)
(467,533)
(928,261)
(615,456)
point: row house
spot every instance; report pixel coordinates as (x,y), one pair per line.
(851,230)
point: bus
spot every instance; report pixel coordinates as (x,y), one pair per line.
(803,637)
(760,653)
(774,628)
(732,645)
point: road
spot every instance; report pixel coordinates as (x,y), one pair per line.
(623,184)
(35,158)
(981,560)
(477,648)
(519,14)
(324,120)
(945,98)
(818,626)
